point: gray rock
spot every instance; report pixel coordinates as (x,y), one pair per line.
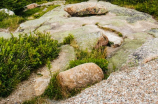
(154,32)
(147,52)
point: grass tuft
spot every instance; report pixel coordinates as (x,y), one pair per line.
(68,39)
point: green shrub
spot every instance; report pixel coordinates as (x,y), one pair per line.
(68,39)
(20,56)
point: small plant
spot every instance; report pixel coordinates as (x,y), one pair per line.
(83,24)
(119,34)
(68,39)
(97,23)
(110,43)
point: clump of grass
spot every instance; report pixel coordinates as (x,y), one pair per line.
(97,23)
(68,39)
(119,34)
(12,22)
(110,43)
(54,90)
(20,56)
(41,12)
(83,24)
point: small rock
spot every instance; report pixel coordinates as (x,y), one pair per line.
(31,6)
(103,41)
(9,12)
(80,76)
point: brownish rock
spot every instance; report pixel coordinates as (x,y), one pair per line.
(31,6)
(80,76)
(103,41)
(85,8)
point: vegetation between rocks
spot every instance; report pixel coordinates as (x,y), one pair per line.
(20,56)
(97,56)
(54,90)
(12,22)
(148,6)
(37,12)
(68,39)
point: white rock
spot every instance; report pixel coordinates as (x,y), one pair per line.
(9,12)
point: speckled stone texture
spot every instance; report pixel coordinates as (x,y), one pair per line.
(137,85)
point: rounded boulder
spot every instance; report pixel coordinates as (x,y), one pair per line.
(80,76)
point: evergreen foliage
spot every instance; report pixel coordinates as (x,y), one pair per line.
(20,56)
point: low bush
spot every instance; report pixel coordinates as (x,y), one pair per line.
(20,56)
